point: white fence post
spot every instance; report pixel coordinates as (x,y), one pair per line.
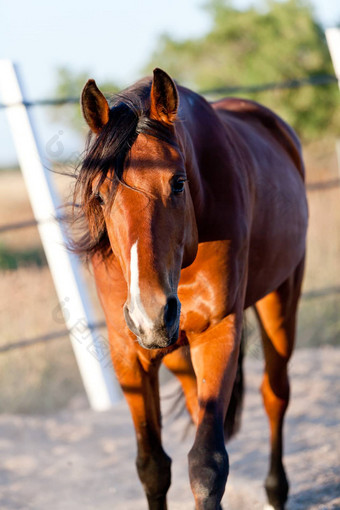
(91,351)
(333,41)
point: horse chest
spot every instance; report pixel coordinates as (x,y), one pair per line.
(204,288)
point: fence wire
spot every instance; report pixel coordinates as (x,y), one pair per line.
(324,79)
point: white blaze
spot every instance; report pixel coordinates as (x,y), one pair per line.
(136,308)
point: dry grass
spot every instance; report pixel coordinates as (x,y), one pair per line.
(45,377)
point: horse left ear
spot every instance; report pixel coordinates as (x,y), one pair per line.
(94,106)
(164,97)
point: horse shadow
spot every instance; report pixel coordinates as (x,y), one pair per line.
(316,495)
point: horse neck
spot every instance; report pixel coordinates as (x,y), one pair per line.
(202,138)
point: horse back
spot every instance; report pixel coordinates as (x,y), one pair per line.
(252,113)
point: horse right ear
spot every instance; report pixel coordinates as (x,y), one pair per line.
(94,106)
(164,97)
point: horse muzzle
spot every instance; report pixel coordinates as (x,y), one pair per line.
(160,333)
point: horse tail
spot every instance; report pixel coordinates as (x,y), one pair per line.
(232,420)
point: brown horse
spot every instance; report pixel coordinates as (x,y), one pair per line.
(195,212)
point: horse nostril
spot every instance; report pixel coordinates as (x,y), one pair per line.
(171,311)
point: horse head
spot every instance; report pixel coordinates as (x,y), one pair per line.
(137,187)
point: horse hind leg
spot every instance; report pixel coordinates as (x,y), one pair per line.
(277,317)
(179,363)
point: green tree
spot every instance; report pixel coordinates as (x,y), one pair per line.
(274,42)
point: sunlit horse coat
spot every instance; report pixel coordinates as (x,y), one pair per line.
(195,212)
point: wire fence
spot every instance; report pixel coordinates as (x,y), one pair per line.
(320,80)
(325,79)
(8,227)
(59,334)
(53,335)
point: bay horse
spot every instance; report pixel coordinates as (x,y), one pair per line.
(195,211)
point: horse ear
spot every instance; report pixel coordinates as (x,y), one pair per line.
(94,106)
(164,97)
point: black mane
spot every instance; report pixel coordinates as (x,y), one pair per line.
(129,117)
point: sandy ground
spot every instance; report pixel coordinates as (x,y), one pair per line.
(79,459)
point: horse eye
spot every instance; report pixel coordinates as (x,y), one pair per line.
(99,198)
(177,186)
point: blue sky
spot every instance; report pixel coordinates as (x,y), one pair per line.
(111,39)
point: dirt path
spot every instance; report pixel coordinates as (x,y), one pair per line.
(78,459)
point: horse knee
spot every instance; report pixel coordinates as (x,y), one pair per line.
(154,471)
(208,471)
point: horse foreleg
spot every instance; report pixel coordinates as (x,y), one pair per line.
(214,356)
(277,316)
(141,390)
